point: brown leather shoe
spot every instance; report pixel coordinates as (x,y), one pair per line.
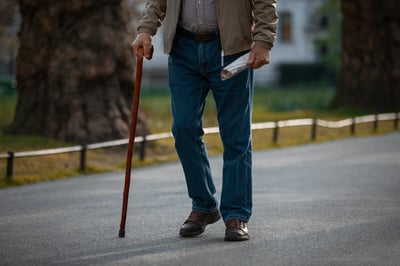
(236,230)
(196,223)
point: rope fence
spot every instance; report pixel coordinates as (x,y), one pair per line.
(275,126)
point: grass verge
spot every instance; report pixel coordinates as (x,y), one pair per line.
(269,105)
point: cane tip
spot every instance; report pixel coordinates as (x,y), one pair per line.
(121,233)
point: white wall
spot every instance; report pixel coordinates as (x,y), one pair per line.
(301,49)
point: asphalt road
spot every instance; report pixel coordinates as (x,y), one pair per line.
(333,203)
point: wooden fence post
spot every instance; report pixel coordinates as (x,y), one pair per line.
(353,126)
(314,130)
(10,165)
(376,122)
(83,158)
(143,148)
(275,133)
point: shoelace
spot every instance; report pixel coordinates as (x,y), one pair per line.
(234,223)
(193,216)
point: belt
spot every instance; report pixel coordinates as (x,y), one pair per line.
(200,37)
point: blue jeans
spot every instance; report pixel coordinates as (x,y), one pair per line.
(194,70)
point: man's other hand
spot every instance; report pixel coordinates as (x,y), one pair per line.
(259,56)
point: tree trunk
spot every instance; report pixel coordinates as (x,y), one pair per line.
(75,70)
(370,60)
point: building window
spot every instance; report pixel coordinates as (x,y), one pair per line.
(286,27)
(324,22)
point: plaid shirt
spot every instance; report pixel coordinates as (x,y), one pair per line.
(198,15)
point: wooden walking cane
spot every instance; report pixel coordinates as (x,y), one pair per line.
(134,115)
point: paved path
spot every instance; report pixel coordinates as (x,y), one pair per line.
(335,203)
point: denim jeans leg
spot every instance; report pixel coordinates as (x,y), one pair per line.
(188,90)
(234,100)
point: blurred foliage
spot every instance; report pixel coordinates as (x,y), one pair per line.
(294,99)
(310,74)
(329,38)
(9,24)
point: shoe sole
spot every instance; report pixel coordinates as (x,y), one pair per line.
(234,237)
(191,234)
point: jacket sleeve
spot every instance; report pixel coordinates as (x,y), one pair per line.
(265,22)
(152,16)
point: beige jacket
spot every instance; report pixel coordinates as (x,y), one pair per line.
(241,22)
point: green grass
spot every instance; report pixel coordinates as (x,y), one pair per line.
(19,143)
(293,99)
(7,106)
(270,104)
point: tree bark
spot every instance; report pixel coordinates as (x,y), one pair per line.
(370,59)
(75,70)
